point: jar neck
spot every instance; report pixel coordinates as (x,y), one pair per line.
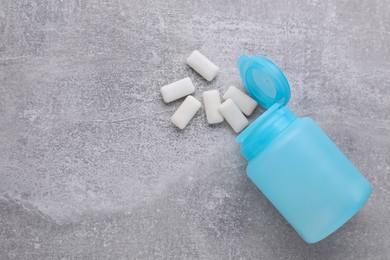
(264,130)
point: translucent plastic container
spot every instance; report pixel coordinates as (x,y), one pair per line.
(293,162)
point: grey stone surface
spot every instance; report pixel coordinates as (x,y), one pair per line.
(92,168)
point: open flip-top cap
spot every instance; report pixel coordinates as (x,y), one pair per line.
(264,81)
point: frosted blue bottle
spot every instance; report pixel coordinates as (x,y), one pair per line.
(293,162)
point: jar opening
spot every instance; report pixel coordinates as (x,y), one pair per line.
(264,130)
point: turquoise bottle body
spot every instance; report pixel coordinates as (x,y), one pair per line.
(294,163)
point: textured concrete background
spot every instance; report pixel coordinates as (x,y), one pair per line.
(91,166)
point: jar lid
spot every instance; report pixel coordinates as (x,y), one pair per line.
(264,81)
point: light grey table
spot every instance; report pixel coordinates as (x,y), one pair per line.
(91,167)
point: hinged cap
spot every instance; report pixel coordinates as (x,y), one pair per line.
(264,81)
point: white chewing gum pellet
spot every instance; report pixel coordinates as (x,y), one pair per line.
(212,100)
(242,100)
(177,90)
(185,112)
(202,65)
(233,115)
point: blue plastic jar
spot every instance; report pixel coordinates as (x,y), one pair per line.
(293,162)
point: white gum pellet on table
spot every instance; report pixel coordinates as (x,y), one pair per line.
(177,89)
(233,115)
(212,100)
(245,103)
(185,112)
(202,65)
